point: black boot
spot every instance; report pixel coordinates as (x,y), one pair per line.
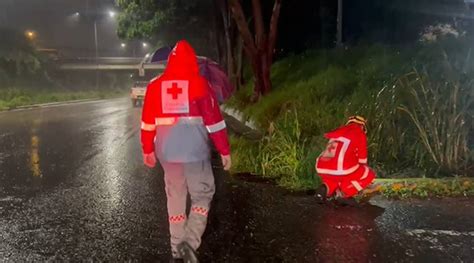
(321,194)
(189,255)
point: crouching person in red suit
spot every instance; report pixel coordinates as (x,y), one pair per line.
(342,166)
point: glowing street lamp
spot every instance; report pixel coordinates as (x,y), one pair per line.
(112,14)
(144,44)
(30,34)
(123,45)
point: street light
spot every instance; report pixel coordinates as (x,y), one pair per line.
(30,34)
(144,44)
(95,16)
(123,45)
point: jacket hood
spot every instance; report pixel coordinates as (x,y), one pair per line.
(182,60)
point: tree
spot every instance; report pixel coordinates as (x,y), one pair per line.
(232,57)
(17,56)
(260,47)
(207,24)
(167,21)
(227,25)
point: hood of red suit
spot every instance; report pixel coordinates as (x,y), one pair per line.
(182,60)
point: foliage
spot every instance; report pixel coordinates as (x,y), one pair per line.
(419,124)
(426,188)
(17,56)
(283,155)
(11,98)
(442,114)
(244,155)
(165,21)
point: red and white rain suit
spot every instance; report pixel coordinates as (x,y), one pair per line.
(342,165)
(180,118)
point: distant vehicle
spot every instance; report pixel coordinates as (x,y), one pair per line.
(137,92)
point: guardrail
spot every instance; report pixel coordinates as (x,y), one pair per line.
(84,66)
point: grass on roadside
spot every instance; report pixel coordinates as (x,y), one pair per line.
(13,97)
(427,187)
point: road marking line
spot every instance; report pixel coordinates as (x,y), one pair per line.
(437,232)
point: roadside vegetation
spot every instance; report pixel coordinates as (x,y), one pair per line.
(27,77)
(418,100)
(16,97)
(427,187)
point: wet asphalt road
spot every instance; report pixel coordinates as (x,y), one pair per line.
(73,188)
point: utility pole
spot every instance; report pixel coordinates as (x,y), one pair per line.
(96,42)
(134,44)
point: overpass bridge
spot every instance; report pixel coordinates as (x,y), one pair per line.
(108,64)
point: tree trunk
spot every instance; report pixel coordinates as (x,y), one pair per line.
(239,17)
(261,47)
(259,80)
(339,23)
(272,37)
(221,52)
(266,67)
(270,47)
(258,24)
(239,67)
(248,45)
(228,40)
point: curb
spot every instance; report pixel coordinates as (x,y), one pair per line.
(49,104)
(236,123)
(238,116)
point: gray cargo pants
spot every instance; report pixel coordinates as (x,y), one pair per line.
(197,179)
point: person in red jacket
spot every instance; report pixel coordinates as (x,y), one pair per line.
(179,116)
(342,166)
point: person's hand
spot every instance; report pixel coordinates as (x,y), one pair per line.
(149,159)
(226,162)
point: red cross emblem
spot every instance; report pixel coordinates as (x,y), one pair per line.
(175,97)
(330,150)
(174,90)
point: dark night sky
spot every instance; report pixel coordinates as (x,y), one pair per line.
(57,27)
(372,20)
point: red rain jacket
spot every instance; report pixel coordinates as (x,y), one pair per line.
(180,112)
(346,150)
